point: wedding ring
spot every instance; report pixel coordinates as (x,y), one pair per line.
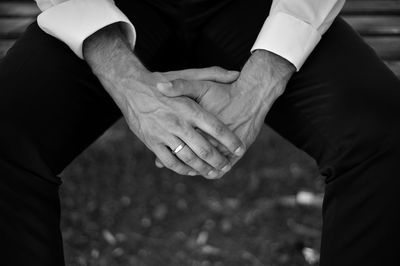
(178,149)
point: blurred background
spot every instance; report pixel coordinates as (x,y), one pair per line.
(119,209)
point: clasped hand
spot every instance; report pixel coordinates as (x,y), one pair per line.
(212,113)
(242,104)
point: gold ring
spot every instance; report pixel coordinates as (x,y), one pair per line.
(178,149)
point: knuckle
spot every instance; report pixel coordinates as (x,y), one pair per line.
(219,129)
(189,158)
(204,169)
(178,84)
(221,163)
(217,69)
(171,164)
(205,152)
(186,132)
(174,122)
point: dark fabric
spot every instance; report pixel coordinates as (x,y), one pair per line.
(341,108)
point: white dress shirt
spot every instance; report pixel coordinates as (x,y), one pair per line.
(292,29)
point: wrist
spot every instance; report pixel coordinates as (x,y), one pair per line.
(272,64)
(267,70)
(265,76)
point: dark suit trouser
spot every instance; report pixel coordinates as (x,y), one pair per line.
(341,108)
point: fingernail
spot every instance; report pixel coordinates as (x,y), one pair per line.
(212,174)
(164,86)
(192,173)
(226,168)
(239,151)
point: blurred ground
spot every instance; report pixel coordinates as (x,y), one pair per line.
(119,209)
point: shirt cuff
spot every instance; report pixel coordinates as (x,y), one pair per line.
(288,37)
(75,20)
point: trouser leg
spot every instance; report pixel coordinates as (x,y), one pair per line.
(342,108)
(51,108)
(344,104)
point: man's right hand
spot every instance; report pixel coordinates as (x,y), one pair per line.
(162,123)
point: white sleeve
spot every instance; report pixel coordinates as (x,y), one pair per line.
(294,27)
(72,21)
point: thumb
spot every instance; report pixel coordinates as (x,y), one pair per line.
(167,89)
(217,74)
(180,87)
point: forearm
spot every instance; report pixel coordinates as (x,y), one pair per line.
(121,73)
(110,56)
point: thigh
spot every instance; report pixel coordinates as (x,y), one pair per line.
(51,108)
(342,109)
(159,44)
(52,99)
(30,212)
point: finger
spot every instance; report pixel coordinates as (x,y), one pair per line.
(181,87)
(187,156)
(205,151)
(215,73)
(221,148)
(158,163)
(209,124)
(233,159)
(172,162)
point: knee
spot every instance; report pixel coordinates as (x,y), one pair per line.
(375,150)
